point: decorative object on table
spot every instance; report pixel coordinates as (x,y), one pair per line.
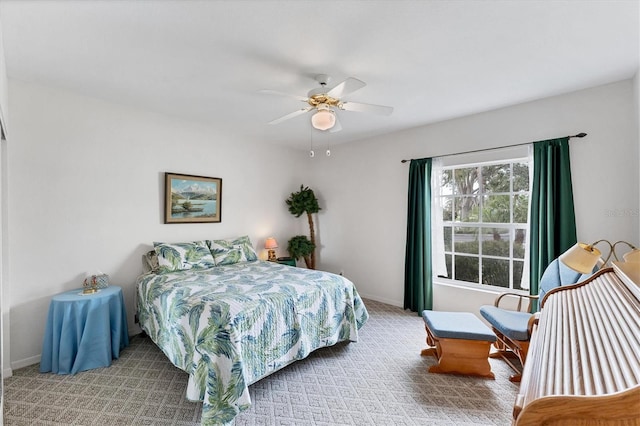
(93,283)
(304,201)
(192,199)
(324,103)
(270,244)
(286,261)
(584,257)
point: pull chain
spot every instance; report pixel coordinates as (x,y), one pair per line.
(311,152)
(328,150)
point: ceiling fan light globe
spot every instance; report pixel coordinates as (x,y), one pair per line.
(324,119)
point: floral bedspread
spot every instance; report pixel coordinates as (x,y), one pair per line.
(230,326)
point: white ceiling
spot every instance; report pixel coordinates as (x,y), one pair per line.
(430,60)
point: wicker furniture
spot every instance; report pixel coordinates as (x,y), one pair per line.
(583,366)
(459,341)
(513,327)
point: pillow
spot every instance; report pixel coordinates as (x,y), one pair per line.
(182,256)
(150,262)
(230,251)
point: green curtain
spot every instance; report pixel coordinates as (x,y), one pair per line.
(553,220)
(418,294)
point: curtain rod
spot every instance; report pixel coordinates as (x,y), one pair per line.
(579,135)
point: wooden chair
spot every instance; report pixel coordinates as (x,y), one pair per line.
(513,327)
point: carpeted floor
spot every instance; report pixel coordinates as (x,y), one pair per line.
(380,380)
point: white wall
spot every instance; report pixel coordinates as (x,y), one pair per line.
(636,98)
(4,88)
(4,307)
(364,186)
(85,192)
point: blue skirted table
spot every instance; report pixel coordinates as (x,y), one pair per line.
(84,331)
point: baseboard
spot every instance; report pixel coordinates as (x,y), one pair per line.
(25,362)
(8,372)
(134,330)
(381,300)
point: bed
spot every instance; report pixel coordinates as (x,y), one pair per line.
(230,325)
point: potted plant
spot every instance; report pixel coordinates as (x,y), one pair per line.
(301,247)
(304,201)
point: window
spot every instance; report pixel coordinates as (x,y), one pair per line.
(485,210)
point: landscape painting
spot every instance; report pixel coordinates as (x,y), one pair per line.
(192,199)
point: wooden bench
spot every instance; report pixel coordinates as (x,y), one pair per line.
(583,366)
(460,342)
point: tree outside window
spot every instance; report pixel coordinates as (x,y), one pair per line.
(485,210)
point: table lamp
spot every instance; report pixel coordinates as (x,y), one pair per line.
(581,257)
(270,244)
(631,256)
(584,257)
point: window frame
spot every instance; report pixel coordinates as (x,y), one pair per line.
(451,223)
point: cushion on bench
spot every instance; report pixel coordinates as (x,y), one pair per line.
(512,324)
(457,325)
(558,274)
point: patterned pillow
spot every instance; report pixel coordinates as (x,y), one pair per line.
(181,256)
(150,262)
(230,251)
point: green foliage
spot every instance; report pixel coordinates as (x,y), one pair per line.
(300,246)
(303,201)
(492,194)
(466,184)
(495,272)
(491,248)
(467,269)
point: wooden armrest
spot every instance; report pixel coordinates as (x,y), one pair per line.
(520,298)
(533,321)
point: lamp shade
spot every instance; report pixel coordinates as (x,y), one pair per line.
(324,119)
(270,243)
(581,258)
(632,256)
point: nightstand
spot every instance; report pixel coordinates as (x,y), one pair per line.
(286,261)
(84,331)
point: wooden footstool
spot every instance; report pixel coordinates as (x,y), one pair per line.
(460,341)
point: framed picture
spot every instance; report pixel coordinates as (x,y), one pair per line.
(192,199)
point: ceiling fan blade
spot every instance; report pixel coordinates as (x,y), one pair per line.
(288,95)
(360,107)
(291,115)
(337,126)
(348,86)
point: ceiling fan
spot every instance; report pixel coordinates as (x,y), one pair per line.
(325,103)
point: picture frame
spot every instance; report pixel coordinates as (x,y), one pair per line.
(192,199)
